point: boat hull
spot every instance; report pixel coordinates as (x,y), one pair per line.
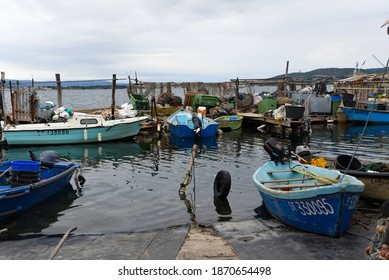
(325,210)
(181,125)
(362,115)
(229,122)
(184,131)
(63,133)
(17,199)
(376,184)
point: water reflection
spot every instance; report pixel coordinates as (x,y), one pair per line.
(370,130)
(187,143)
(84,153)
(132,186)
(222,207)
(39,217)
(190,204)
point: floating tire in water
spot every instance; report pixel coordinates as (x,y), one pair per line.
(222,185)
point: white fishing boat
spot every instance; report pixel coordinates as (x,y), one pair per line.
(78,128)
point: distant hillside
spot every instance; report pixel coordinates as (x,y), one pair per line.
(331,73)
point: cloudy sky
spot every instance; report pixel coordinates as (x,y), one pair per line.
(188,40)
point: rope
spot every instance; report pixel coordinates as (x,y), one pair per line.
(378,248)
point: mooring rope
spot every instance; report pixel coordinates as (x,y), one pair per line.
(378,248)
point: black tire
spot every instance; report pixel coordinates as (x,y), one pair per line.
(222,185)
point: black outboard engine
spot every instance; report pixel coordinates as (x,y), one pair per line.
(197,125)
(49,158)
(276,151)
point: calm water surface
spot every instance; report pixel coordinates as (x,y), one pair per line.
(133,185)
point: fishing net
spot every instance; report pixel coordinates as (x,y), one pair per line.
(379,167)
(378,247)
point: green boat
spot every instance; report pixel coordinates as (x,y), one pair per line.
(229,122)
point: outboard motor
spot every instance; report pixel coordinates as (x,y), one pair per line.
(197,125)
(49,158)
(276,151)
(304,152)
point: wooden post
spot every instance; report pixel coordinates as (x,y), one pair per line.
(3,112)
(129,86)
(59,90)
(286,77)
(12,102)
(188,176)
(236,95)
(113,95)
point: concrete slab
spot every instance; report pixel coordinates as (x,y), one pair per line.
(268,239)
(253,238)
(158,244)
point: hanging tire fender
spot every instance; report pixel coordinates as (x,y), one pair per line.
(222,185)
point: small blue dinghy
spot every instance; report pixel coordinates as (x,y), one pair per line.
(186,124)
(306,197)
(26,183)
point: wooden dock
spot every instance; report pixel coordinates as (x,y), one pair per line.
(288,122)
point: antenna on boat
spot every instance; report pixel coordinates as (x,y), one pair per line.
(378,60)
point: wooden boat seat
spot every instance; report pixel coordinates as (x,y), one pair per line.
(287,180)
(303,185)
(279,171)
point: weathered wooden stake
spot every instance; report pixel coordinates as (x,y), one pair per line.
(236,94)
(59,90)
(66,235)
(113,95)
(3,113)
(13,108)
(286,77)
(189,170)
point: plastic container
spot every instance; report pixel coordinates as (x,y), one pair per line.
(335,106)
(139,102)
(343,161)
(202,111)
(267,104)
(204,100)
(25,165)
(294,112)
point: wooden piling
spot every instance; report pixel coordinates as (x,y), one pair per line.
(59,89)
(286,78)
(188,176)
(113,95)
(3,112)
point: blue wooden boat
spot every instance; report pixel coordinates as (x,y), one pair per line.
(79,128)
(186,124)
(307,197)
(26,183)
(363,115)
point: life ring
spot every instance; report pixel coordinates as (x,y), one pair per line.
(222,185)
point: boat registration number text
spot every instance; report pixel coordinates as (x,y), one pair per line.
(52,132)
(314,207)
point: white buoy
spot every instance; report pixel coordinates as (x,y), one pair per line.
(99,137)
(85,135)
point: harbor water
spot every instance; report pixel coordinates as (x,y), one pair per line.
(134,185)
